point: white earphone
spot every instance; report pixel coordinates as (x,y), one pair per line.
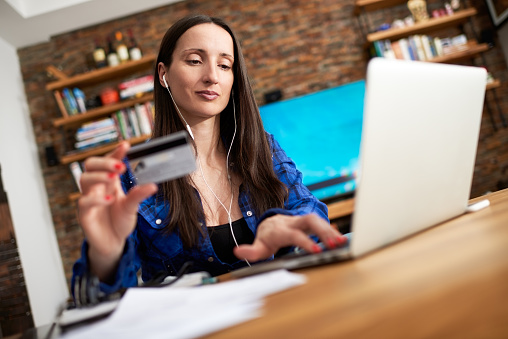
(165,83)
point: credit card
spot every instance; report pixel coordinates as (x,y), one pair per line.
(162,159)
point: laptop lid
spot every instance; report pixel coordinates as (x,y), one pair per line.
(418,148)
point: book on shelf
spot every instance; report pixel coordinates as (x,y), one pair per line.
(117,125)
(397,51)
(143,115)
(432,46)
(388,50)
(419,47)
(96,124)
(135,87)
(459,40)
(133,121)
(80,136)
(438,46)
(97,140)
(124,124)
(125,130)
(95,133)
(129,128)
(70,101)
(150,109)
(404,49)
(60,103)
(426,47)
(79,95)
(413,48)
(378,48)
(66,104)
(420,52)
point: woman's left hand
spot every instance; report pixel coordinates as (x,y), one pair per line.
(281,231)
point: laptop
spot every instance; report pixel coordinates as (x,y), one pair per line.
(417,153)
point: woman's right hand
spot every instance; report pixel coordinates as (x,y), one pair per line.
(106,214)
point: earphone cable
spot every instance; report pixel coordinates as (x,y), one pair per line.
(232,193)
(227,163)
(229,177)
(177,109)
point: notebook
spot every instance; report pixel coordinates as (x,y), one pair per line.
(417,153)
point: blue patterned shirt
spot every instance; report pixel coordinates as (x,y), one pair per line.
(154,252)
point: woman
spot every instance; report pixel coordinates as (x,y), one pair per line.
(243,203)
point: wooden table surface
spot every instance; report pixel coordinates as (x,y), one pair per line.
(449,281)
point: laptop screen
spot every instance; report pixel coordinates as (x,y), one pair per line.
(321,133)
(419,138)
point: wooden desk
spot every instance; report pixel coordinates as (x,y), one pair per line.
(450,281)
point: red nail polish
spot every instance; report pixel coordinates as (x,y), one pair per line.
(331,243)
(107,197)
(316,248)
(118,166)
(341,239)
(111,175)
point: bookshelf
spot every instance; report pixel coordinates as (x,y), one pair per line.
(102,74)
(97,79)
(471,49)
(428,26)
(458,54)
(82,155)
(374,5)
(96,113)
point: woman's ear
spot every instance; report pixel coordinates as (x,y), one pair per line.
(161,69)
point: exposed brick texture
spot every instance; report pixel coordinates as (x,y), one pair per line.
(297,46)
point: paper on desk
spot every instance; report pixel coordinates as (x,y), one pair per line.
(188,312)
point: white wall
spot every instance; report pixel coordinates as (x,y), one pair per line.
(24,184)
(29,22)
(29,8)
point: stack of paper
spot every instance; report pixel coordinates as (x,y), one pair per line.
(187,312)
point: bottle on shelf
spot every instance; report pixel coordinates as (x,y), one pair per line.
(134,50)
(99,55)
(112,57)
(455,5)
(121,48)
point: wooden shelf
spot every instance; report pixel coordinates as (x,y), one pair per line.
(469,50)
(100,150)
(76,120)
(74,196)
(457,19)
(430,25)
(494,84)
(103,74)
(373,5)
(341,208)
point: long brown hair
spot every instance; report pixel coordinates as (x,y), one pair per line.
(250,152)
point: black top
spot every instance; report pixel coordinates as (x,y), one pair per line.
(223,242)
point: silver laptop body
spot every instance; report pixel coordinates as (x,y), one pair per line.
(418,148)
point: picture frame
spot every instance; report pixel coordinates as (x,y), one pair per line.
(498,10)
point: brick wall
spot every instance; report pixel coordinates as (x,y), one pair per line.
(297,46)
